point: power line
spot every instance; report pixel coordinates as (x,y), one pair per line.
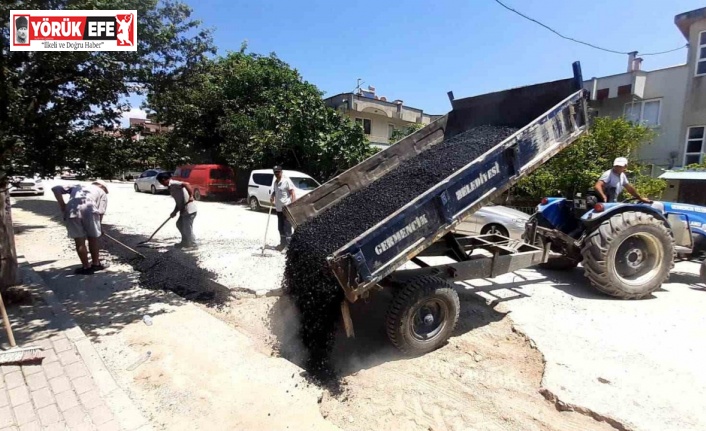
(580,41)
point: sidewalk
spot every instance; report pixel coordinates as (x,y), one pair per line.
(71,389)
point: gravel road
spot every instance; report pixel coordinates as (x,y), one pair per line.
(639,363)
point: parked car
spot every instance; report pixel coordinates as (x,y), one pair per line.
(207,180)
(262,180)
(21,185)
(147,182)
(495,219)
(68,175)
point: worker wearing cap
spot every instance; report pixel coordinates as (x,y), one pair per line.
(21,27)
(611,183)
(282,195)
(83,214)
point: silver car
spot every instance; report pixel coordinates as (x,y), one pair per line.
(147,182)
(495,219)
(26,185)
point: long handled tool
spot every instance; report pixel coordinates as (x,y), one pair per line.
(129,248)
(264,245)
(155,232)
(16,354)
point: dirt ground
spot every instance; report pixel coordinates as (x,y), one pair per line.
(487,377)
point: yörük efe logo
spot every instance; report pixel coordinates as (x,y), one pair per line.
(71,30)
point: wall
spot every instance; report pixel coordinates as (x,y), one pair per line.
(668,85)
(379,125)
(381,114)
(695,105)
(671,193)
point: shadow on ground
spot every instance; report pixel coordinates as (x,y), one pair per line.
(370,347)
(106,301)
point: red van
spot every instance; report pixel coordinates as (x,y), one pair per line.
(207,180)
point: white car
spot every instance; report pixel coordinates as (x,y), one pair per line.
(260,186)
(147,182)
(495,219)
(27,185)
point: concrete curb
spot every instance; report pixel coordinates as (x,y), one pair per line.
(124,410)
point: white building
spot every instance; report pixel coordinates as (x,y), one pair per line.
(377,116)
(671,100)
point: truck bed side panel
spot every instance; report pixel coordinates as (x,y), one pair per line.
(365,173)
(379,251)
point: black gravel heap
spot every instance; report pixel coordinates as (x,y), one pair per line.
(308,278)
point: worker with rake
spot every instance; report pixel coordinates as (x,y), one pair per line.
(83,214)
(183,196)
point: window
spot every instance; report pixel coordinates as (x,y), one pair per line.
(304,183)
(624,90)
(366,123)
(701,55)
(602,93)
(185,173)
(220,174)
(694,145)
(390,130)
(263,179)
(645,112)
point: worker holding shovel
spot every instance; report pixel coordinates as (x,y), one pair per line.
(282,195)
(185,206)
(83,214)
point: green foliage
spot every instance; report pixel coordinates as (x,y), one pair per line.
(254,111)
(577,168)
(399,134)
(693,167)
(49,99)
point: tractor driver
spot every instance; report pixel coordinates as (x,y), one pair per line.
(611,183)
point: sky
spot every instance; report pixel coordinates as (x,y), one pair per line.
(417,51)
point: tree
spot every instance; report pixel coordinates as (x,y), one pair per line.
(48,100)
(577,168)
(250,111)
(399,134)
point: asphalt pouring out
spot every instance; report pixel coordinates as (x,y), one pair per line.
(308,279)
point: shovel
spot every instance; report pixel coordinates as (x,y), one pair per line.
(155,232)
(267,227)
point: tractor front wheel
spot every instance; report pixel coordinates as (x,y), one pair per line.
(629,256)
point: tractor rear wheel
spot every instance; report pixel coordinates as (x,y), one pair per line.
(422,315)
(629,256)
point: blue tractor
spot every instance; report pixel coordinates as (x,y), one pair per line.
(627,249)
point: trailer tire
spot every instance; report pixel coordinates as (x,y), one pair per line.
(629,255)
(423,315)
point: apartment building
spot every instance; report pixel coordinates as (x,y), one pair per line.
(672,101)
(376,115)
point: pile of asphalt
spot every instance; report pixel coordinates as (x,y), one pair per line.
(308,278)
